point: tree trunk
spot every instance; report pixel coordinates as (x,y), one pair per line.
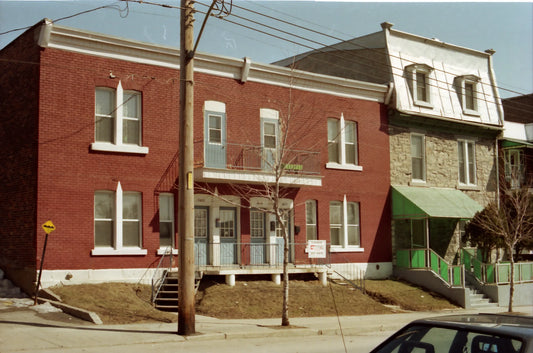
(285,314)
(511,281)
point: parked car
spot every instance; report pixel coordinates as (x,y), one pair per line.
(502,333)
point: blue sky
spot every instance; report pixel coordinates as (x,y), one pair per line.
(506,27)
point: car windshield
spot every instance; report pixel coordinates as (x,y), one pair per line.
(429,339)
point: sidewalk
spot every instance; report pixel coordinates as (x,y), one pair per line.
(25,329)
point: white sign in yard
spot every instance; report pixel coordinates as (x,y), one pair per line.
(316,249)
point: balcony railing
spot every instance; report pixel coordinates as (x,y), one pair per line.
(252,158)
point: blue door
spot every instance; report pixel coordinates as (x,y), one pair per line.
(228,236)
(201,235)
(215,140)
(258,249)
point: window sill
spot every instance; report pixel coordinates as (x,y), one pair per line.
(417,183)
(471,112)
(121,251)
(334,248)
(332,165)
(423,104)
(164,251)
(109,147)
(468,187)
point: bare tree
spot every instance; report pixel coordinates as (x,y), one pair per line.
(510,223)
(278,160)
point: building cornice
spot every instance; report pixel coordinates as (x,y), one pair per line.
(97,44)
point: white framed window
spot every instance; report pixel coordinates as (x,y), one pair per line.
(342,144)
(117,223)
(467,162)
(418,79)
(257,224)
(514,167)
(166,223)
(118,121)
(344,226)
(418,157)
(468,93)
(310,220)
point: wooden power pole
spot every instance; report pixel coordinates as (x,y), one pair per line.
(186,294)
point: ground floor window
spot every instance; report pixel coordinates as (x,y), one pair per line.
(166,220)
(117,222)
(344,225)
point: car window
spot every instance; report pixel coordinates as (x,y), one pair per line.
(427,339)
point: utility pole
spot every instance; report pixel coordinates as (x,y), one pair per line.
(186,295)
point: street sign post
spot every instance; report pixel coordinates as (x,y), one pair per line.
(48,227)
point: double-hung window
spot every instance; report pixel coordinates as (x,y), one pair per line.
(418,158)
(117,223)
(418,79)
(468,91)
(344,226)
(310,220)
(118,121)
(166,222)
(342,144)
(467,162)
(514,167)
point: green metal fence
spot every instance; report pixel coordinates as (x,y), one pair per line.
(427,259)
(499,273)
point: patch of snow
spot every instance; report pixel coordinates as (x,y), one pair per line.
(45,308)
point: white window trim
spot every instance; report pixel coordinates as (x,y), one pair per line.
(163,250)
(117,235)
(474,80)
(347,248)
(416,180)
(342,150)
(412,71)
(468,183)
(119,146)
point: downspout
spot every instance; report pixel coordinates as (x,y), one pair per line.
(389,93)
(500,120)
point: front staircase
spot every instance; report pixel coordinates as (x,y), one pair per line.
(478,299)
(166,298)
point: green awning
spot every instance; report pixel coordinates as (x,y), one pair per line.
(419,202)
(510,143)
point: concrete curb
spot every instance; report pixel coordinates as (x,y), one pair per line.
(76,312)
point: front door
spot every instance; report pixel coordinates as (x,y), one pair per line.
(228,235)
(258,237)
(215,140)
(201,232)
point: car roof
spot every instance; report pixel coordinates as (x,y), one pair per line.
(509,324)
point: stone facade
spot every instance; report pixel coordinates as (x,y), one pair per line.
(441,159)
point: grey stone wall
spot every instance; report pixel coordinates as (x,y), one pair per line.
(442,162)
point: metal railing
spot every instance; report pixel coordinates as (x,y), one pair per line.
(498,273)
(163,268)
(258,158)
(428,259)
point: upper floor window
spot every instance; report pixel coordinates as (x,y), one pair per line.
(467,162)
(344,226)
(342,144)
(269,137)
(514,167)
(117,223)
(418,157)
(467,90)
(310,220)
(418,78)
(118,120)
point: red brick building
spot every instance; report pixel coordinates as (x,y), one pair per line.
(90,129)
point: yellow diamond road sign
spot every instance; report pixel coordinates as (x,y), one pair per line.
(49,227)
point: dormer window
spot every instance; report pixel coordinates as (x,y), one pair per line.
(418,80)
(467,88)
